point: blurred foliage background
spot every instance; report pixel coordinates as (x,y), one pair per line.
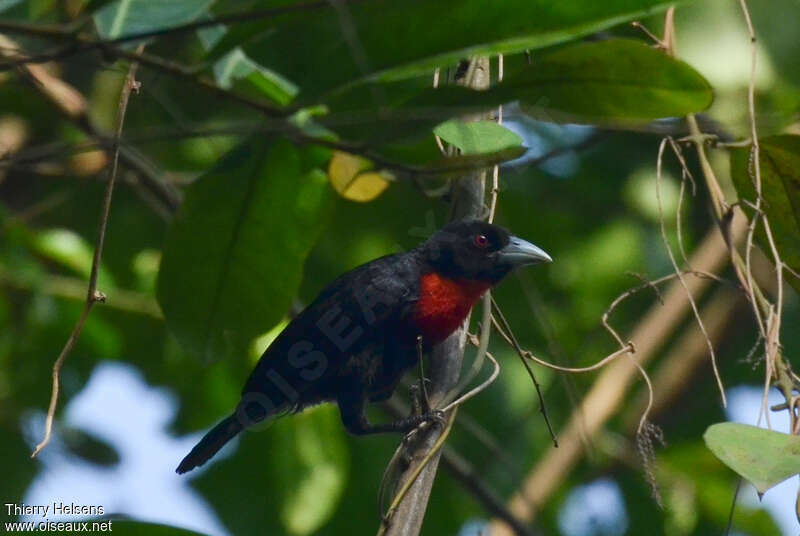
(249,234)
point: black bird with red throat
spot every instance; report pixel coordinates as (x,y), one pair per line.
(358,337)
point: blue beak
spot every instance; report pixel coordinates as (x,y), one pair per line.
(519,252)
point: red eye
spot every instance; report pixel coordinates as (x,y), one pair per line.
(481,241)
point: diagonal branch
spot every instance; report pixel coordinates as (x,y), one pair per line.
(468,475)
(406,518)
(92,295)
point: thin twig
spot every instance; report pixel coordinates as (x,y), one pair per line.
(496,170)
(267,126)
(607,393)
(513,340)
(93,295)
(73,288)
(733,506)
(479,388)
(298,136)
(686,175)
(647,284)
(773,325)
(677,270)
(627,350)
(477,364)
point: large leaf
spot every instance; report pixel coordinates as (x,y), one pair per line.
(128,17)
(387,40)
(234,254)
(779,158)
(614,80)
(763,457)
(597,82)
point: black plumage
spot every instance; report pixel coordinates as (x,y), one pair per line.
(355,341)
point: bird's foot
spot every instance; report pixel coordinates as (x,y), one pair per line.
(422,422)
(434,417)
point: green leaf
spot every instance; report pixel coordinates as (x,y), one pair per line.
(598,82)
(615,80)
(478,137)
(388,40)
(779,158)
(234,254)
(584,82)
(129,17)
(236,65)
(763,457)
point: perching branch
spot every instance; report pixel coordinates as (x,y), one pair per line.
(93,295)
(406,518)
(468,475)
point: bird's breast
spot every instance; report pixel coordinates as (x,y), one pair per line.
(443,305)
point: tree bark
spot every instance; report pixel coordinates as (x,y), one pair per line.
(445,365)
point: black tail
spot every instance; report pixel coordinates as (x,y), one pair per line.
(210,444)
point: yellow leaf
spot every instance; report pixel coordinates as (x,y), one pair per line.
(352,178)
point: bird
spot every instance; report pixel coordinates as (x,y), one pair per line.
(352,344)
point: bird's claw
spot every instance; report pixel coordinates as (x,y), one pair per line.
(431,418)
(409,437)
(434,417)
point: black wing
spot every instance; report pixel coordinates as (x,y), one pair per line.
(361,309)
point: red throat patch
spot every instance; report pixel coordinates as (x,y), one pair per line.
(444,304)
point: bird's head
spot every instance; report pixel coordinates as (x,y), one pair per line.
(472,249)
